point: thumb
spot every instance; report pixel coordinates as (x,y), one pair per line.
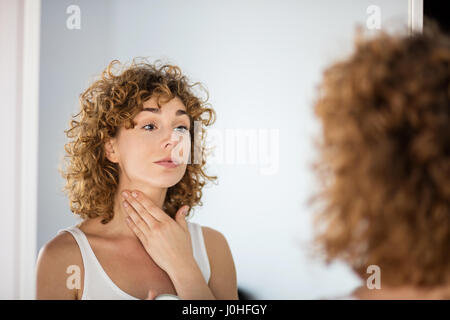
(181,216)
(152,294)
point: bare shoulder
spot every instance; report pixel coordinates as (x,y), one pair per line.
(57,260)
(223,282)
(216,245)
(213,237)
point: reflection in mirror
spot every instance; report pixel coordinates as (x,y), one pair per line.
(260,62)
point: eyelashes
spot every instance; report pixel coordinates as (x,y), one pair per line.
(183,128)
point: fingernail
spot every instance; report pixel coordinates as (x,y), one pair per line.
(134,194)
(125,204)
(124,194)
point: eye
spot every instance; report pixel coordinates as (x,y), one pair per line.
(150,125)
(182,128)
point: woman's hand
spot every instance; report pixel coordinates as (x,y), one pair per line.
(151,295)
(166,240)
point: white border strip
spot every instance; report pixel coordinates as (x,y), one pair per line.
(415,21)
(29,121)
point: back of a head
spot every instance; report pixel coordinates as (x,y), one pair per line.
(385,158)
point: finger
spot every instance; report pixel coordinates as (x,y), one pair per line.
(180,217)
(152,294)
(150,207)
(138,232)
(136,218)
(145,215)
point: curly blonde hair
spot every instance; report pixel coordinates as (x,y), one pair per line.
(113,101)
(384,158)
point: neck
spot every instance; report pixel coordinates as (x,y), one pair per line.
(118,227)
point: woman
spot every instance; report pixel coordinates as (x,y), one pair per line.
(136,168)
(385,165)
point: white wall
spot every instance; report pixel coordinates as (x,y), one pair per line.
(261,62)
(69,60)
(19,67)
(9,86)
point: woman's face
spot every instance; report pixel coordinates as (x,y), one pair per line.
(159,133)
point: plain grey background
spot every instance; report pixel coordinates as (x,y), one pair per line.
(261,62)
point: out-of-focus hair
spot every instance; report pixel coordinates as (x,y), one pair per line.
(384,158)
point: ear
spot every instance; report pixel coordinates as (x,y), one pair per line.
(111,150)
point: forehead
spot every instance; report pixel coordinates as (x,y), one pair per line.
(174,104)
(172,107)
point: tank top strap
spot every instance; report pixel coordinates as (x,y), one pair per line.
(91,270)
(81,240)
(97,284)
(199,249)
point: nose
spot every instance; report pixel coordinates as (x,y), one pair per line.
(171,139)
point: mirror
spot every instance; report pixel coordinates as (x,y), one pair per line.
(260,62)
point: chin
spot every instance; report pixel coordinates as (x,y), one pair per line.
(165,181)
(168,184)
(160,178)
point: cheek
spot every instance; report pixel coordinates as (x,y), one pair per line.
(183,170)
(137,153)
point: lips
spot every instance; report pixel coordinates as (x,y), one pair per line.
(166,159)
(167,162)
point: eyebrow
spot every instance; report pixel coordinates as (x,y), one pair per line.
(179,112)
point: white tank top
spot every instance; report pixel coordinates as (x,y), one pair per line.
(99,286)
